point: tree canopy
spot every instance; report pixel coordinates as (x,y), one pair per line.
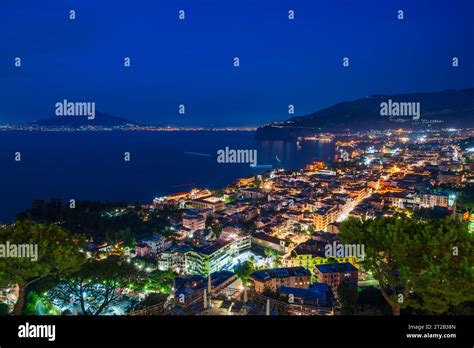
(422,264)
(244,270)
(58,254)
(96,287)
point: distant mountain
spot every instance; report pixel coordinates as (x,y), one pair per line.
(449,108)
(100,120)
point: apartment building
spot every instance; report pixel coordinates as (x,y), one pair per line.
(273,278)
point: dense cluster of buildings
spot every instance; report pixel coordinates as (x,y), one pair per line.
(286,223)
(289,217)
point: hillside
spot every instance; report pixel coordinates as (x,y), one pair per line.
(449,108)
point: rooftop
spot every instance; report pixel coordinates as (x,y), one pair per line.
(267,274)
(316,293)
(267,238)
(336,267)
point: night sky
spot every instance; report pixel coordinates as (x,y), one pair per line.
(190,62)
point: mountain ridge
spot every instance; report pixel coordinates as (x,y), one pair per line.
(447,108)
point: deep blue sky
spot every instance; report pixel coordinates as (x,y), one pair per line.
(282,62)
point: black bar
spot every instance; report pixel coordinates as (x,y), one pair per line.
(211,330)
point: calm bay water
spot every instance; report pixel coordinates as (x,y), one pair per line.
(91,166)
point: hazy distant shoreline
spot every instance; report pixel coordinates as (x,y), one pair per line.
(7,128)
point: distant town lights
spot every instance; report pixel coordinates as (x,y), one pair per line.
(371,149)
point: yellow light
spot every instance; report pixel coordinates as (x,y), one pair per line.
(395,169)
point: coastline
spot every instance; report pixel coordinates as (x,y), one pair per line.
(90,166)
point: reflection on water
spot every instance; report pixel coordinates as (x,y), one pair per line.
(90,165)
(291,155)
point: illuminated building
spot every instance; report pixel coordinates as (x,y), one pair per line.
(210,202)
(324,216)
(315,166)
(242,182)
(174,259)
(217,256)
(157,244)
(335,274)
(449,178)
(273,278)
(312,253)
(265,241)
(252,193)
(194,221)
(431,200)
(142,250)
